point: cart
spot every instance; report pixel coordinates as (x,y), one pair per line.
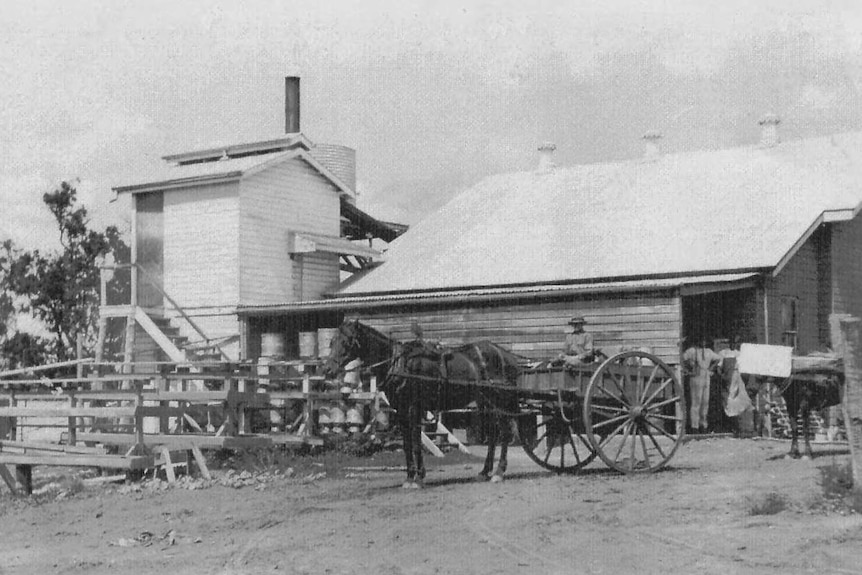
(628,410)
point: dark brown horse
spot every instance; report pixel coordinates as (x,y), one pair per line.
(420,377)
(355,340)
(803,392)
(427,378)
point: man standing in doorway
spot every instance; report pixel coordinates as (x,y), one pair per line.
(700,362)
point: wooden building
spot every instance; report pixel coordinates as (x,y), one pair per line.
(243,225)
(754,244)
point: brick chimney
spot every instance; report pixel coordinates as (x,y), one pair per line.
(291,104)
(546,158)
(769,131)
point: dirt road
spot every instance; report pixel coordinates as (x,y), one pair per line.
(727,506)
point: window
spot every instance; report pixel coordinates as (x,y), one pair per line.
(789,321)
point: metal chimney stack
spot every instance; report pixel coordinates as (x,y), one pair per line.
(291,104)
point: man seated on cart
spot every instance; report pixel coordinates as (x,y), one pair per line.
(578,348)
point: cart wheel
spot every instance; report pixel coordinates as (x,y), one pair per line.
(634,412)
(553,437)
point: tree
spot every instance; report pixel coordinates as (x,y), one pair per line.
(62,289)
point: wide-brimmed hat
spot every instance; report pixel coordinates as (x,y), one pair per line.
(577,320)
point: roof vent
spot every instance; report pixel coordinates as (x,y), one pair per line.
(769,131)
(651,145)
(546,158)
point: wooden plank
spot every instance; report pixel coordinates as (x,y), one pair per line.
(295,439)
(49,366)
(20,446)
(107,461)
(179,441)
(429,445)
(201,462)
(8,478)
(67,412)
(168,464)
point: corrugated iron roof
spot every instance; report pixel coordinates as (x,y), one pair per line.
(718,281)
(186,173)
(708,211)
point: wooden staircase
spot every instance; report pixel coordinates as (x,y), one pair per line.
(158,326)
(437,439)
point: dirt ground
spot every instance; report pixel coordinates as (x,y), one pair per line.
(725,506)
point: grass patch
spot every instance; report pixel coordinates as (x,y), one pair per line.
(770,504)
(836,481)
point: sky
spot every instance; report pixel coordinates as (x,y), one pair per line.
(434,95)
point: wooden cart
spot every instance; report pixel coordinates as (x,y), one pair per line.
(628,410)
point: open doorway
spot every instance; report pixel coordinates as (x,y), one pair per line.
(721,319)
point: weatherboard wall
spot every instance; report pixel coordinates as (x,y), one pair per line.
(536,328)
(802,284)
(846,276)
(201,255)
(288,197)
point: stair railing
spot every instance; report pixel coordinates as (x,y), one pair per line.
(139,272)
(144,274)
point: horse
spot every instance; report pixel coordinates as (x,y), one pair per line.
(425,377)
(430,365)
(803,392)
(355,340)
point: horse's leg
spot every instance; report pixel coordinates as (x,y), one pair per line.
(792,413)
(407,439)
(416,432)
(505,426)
(807,453)
(491,438)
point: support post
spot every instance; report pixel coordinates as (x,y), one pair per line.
(73,421)
(851,348)
(24,475)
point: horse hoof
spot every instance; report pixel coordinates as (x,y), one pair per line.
(408,485)
(791,456)
(497,479)
(483,477)
(806,457)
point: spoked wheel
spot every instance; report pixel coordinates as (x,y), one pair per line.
(553,436)
(634,412)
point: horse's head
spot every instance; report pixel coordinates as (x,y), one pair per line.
(345,347)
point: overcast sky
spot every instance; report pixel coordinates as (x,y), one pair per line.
(432,97)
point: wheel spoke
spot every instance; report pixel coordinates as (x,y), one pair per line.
(611,409)
(623,441)
(674,399)
(657,446)
(548,451)
(660,430)
(644,447)
(621,389)
(619,399)
(610,421)
(612,434)
(665,417)
(649,383)
(658,391)
(574,448)
(544,436)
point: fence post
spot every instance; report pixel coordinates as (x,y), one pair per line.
(851,342)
